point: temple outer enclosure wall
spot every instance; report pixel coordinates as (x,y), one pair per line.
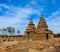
(11,38)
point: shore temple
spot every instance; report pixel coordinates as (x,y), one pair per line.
(41,32)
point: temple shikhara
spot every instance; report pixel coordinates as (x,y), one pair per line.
(35,39)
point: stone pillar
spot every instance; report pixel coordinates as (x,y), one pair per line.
(51,36)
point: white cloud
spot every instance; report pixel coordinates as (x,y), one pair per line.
(16,16)
(54,21)
(4,5)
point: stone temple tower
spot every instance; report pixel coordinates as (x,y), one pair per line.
(30,30)
(42,30)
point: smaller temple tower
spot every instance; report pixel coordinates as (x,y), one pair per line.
(30,30)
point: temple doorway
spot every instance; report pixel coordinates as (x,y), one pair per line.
(47,36)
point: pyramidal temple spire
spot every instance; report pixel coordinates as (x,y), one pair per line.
(31,22)
(42,23)
(31,25)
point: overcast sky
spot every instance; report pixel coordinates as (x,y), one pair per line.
(17,13)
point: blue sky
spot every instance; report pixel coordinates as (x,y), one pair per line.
(17,13)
